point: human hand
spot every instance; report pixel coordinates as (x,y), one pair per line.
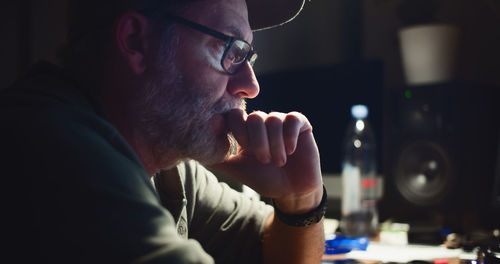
(277,157)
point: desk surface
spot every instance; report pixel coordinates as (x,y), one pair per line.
(378,252)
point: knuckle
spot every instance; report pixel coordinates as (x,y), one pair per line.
(279,115)
(298,116)
(273,121)
(292,119)
(255,117)
(296,113)
(258,113)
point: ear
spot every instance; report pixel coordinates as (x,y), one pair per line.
(130,36)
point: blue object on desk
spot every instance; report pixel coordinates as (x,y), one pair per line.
(339,244)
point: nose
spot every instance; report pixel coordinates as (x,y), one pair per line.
(244,83)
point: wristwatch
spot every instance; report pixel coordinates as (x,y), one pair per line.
(306,219)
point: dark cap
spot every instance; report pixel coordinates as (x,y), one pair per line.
(88,15)
(264,14)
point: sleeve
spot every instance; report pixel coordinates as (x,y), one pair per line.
(95,204)
(227,223)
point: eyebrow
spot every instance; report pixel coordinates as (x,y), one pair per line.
(236,32)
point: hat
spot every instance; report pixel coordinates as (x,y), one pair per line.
(265,14)
(86,15)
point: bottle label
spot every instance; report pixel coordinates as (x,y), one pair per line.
(369,183)
(351,191)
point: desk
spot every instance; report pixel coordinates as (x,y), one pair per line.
(384,253)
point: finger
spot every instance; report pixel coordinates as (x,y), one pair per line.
(235,122)
(274,125)
(294,124)
(257,136)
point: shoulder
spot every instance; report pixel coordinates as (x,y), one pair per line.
(60,137)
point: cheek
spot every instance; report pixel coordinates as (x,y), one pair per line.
(213,57)
(203,73)
(205,87)
(212,79)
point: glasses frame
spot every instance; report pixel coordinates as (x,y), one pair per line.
(251,56)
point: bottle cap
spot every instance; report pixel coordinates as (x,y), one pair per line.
(359,111)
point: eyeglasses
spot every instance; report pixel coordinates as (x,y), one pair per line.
(236,51)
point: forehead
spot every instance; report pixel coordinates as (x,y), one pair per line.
(230,16)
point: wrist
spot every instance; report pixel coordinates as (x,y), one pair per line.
(310,217)
(299,204)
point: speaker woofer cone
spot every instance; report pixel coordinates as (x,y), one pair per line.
(423,173)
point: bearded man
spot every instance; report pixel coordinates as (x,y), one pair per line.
(111,150)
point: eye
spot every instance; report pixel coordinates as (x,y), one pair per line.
(230,56)
(217,48)
(238,51)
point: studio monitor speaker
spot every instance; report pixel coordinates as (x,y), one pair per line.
(440,149)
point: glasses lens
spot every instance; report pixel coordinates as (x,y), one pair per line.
(252,59)
(235,55)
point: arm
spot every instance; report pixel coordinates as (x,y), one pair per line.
(300,244)
(224,221)
(278,158)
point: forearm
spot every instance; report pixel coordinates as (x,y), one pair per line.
(283,243)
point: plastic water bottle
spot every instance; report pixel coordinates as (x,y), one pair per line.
(359,182)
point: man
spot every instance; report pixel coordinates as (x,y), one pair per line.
(153,89)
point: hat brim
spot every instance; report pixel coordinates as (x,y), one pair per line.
(265,14)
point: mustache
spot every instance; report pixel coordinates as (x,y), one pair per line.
(226,106)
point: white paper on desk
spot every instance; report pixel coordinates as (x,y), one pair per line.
(403,253)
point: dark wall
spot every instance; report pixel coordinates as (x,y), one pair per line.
(479,58)
(32,30)
(11,29)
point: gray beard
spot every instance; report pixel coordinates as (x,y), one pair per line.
(176,119)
